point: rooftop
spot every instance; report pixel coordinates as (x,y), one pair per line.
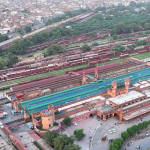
(27,140)
(120,99)
(137,113)
(105,109)
(93,88)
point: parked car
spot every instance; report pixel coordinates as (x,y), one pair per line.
(114,130)
(147,134)
(138,147)
(15,112)
(74,123)
(110,131)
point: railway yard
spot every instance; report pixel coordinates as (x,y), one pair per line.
(76,84)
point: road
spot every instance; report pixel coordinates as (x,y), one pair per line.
(143,143)
(102,130)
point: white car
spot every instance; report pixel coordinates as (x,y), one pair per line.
(110,131)
(74,123)
(114,130)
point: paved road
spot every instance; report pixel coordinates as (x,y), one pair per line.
(97,143)
(143,143)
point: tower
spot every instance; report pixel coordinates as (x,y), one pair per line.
(46,119)
(114,88)
(96,72)
(127,84)
(84,77)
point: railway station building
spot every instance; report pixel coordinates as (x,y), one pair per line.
(121,94)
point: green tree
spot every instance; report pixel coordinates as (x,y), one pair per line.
(116,144)
(67,120)
(17,47)
(118,48)
(135,128)
(85,48)
(72,147)
(140,126)
(1,50)
(11,59)
(149,122)
(55,49)
(27,29)
(49,21)
(145,124)
(125,135)
(61,141)
(79,134)
(3,37)
(57,113)
(95,44)
(49,137)
(115,37)
(2,64)
(20,31)
(130,131)
(147,26)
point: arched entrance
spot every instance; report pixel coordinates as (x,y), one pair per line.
(115,114)
(91,115)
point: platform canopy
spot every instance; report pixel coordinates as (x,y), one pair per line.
(40,103)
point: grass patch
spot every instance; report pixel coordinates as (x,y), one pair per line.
(38,146)
(76,44)
(62,71)
(142,56)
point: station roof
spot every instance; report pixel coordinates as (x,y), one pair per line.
(123,98)
(56,99)
(37,83)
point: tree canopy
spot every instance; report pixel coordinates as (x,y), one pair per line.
(118,48)
(79,134)
(72,147)
(3,37)
(2,64)
(18,46)
(62,140)
(116,144)
(27,29)
(49,137)
(67,120)
(85,48)
(55,49)
(95,44)
(125,135)
(11,59)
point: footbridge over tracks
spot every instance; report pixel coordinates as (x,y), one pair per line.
(93,88)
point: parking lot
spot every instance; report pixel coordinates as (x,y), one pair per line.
(10,116)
